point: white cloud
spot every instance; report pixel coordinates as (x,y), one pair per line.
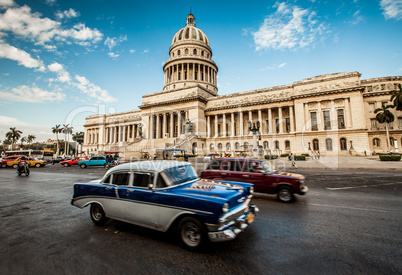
(31,95)
(92,90)
(23,58)
(132,51)
(113,55)
(6,3)
(357,18)
(392,9)
(63,75)
(282,65)
(289,27)
(67,14)
(43,31)
(113,42)
(11,121)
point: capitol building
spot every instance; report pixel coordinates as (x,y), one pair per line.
(332,114)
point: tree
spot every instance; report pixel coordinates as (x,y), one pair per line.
(57,130)
(384,115)
(78,137)
(13,135)
(23,139)
(67,131)
(396,98)
(31,138)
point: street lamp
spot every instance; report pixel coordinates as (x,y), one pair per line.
(255,128)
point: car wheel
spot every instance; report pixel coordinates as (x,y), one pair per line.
(98,215)
(83,166)
(192,233)
(37,165)
(66,164)
(15,166)
(285,194)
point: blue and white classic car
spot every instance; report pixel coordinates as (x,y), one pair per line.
(165,195)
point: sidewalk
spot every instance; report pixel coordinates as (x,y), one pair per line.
(335,162)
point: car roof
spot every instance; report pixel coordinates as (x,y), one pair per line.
(148,166)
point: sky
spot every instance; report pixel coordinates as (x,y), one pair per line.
(61,61)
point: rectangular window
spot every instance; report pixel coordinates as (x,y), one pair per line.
(287,125)
(235,132)
(142,179)
(277,125)
(267,122)
(373,124)
(219,130)
(313,117)
(369,88)
(341,119)
(121,179)
(327,120)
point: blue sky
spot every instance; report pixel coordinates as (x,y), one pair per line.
(61,61)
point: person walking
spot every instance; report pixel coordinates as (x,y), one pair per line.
(292,159)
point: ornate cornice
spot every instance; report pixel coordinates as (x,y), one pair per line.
(194,98)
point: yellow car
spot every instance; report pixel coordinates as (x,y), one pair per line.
(32,162)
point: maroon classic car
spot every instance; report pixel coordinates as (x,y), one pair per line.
(257,172)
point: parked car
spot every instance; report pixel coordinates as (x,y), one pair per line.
(74,161)
(58,160)
(31,161)
(10,158)
(94,161)
(165,195)
(210,157)
(257,172)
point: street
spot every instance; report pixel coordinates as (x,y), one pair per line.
(349,222)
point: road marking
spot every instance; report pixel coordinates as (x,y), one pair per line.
(362,186)
(347,207)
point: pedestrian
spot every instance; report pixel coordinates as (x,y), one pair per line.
(318,154)
(292,159)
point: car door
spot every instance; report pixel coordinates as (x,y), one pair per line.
(263,182)
(141,205)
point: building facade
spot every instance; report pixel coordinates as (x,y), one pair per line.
(332,114)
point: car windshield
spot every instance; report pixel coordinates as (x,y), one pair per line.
(180,174)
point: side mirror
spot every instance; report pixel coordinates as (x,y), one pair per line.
(151,186)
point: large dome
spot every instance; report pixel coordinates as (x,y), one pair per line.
(190,34)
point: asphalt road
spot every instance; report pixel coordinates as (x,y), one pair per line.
(349,222)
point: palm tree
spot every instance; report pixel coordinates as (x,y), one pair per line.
(78,137)
(396,98)
(23,139)
(13,135)
(31,138)
(67,131)
(385,116)
(57,130)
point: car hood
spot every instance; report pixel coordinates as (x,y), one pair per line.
(299,176)
(214,189)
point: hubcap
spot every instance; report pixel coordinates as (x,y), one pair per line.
(97,213)
(191,234)
(285,195)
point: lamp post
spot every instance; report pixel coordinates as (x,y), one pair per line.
(255,128)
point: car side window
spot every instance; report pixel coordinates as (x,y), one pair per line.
(226,165)
(236,166)
(142,179)
(254,167)
(215,165)
(107,180)
(121,179)
(160,182)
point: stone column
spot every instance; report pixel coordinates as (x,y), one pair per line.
(158,126)
(124,133)
(270,122)
(179,123)
(171,124)
(208,126)
(260,117)
(232,127)
(216,125)
(307,120)
(348,120)
(319,117)
(250,119)
(280,120)
(164,126)
(334,116)
(151,127)
(241,127)
(291,118)
(224,124)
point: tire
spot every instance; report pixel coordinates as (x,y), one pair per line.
(66,164)
(37,165)
(192,233)
(15,166)
(83,166)
(285,194)
(27,173)
(98,215)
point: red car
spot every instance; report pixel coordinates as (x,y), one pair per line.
(10,158)
(70,162)
(257,172)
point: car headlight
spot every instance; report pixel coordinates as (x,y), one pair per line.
(225,208)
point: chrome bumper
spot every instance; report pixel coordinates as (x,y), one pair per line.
(230,230)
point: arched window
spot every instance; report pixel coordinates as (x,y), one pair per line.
(220,146)
(316,145)
(195,52)
(202,53)
(178,52)
(187,33)
(180,34)
(237,146)
(201,37)
(376,142)
(343,144)
(276,144)
(212,146)
(287,144)
(228,146)
(328,142)
(186,51)
(266,145)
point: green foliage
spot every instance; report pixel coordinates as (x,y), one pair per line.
(271,156)
(390,157)
(300,157)
(284,155)
(396,98)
